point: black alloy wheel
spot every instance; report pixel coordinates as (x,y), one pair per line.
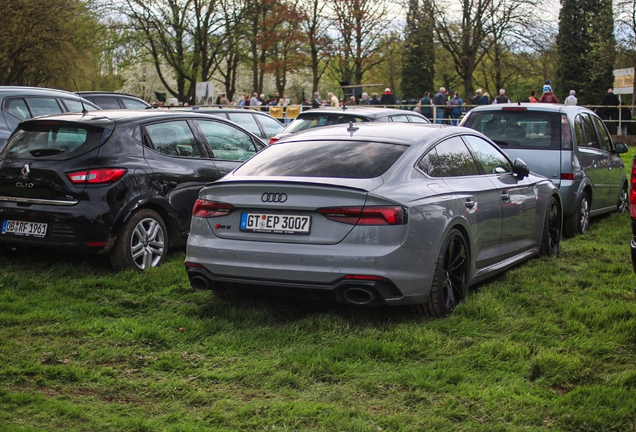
(450,280)
(551,230)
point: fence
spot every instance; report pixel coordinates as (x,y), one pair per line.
(286,114)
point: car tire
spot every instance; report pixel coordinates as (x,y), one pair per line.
(579,222)
(141,243)
(450,280)
(551,230)
(623,200)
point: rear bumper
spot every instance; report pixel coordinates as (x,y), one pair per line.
(358,292)
(82,228)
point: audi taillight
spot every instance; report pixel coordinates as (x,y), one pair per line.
(96,176)
(378,215)
(209,209)
(566,135)
(632,191)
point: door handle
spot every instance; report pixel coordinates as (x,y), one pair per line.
(505,196)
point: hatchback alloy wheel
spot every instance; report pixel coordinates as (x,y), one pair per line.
(584,215)
(623,201)
(147,243)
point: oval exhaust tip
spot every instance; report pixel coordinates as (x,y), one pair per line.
(200,283)
(359,296)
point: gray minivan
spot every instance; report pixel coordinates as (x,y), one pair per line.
(568,144)
(20,103)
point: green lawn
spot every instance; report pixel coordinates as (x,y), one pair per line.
(549,345)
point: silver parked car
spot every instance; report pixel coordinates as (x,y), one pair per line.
(568,144)
(395,214)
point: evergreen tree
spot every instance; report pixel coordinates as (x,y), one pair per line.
(419,52)
(586,48)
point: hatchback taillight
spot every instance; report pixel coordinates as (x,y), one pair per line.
(272,140)
(96,176)
(210,209)
(632,191)
(380,215)
(566,134)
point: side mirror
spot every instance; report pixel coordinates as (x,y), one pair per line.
(621,148)
(520,168)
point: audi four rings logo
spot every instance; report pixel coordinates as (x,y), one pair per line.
(274,197)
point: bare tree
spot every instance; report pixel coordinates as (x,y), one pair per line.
(474,28)
(319,44)
(180,34)
(360,25)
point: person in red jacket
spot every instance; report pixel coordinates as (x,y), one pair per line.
(548,96)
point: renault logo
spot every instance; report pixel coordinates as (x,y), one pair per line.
(25,171)
(274,197)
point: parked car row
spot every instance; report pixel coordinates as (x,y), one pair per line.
(362,206)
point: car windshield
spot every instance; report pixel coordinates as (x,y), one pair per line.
(50,138)
(318,120)
(519,129)
(342,159)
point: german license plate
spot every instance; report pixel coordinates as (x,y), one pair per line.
(27,229)
(275,223)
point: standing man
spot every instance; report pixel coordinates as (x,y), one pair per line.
(571,100)
(364,100)
(548,96)
(315,102)
(502,98)
(333,100)
(440,103)
(475,100)
(387,98)
(426,106)
(611,114)
(254,102)
(374,100)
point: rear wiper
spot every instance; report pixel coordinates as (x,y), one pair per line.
(46,152)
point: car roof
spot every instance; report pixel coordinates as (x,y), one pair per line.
(532,107)
(126,115)
(370,112)
(37,91)
(212,109)
(398,133)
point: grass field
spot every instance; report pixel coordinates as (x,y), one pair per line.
(549,345)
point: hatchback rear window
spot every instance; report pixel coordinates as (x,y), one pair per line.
(519,129)
(320,120)
(324,159)
(53,138)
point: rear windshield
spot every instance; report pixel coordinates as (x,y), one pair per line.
(319,120)
(53,138)
(324,159)
(519,129)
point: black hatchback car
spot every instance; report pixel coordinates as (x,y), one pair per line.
(118,183)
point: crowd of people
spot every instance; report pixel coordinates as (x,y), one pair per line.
(445,107)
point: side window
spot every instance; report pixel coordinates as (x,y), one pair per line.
(426,165)
(174,139)
(247,121)
(452,159)
(578,131)
(606,141)
(591,139)
(133,104)
(227,142)
(76,106)
(399,118)
(44,106)
(416,119)
(270,126)
(490,158)
(17,108)
(106,102)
